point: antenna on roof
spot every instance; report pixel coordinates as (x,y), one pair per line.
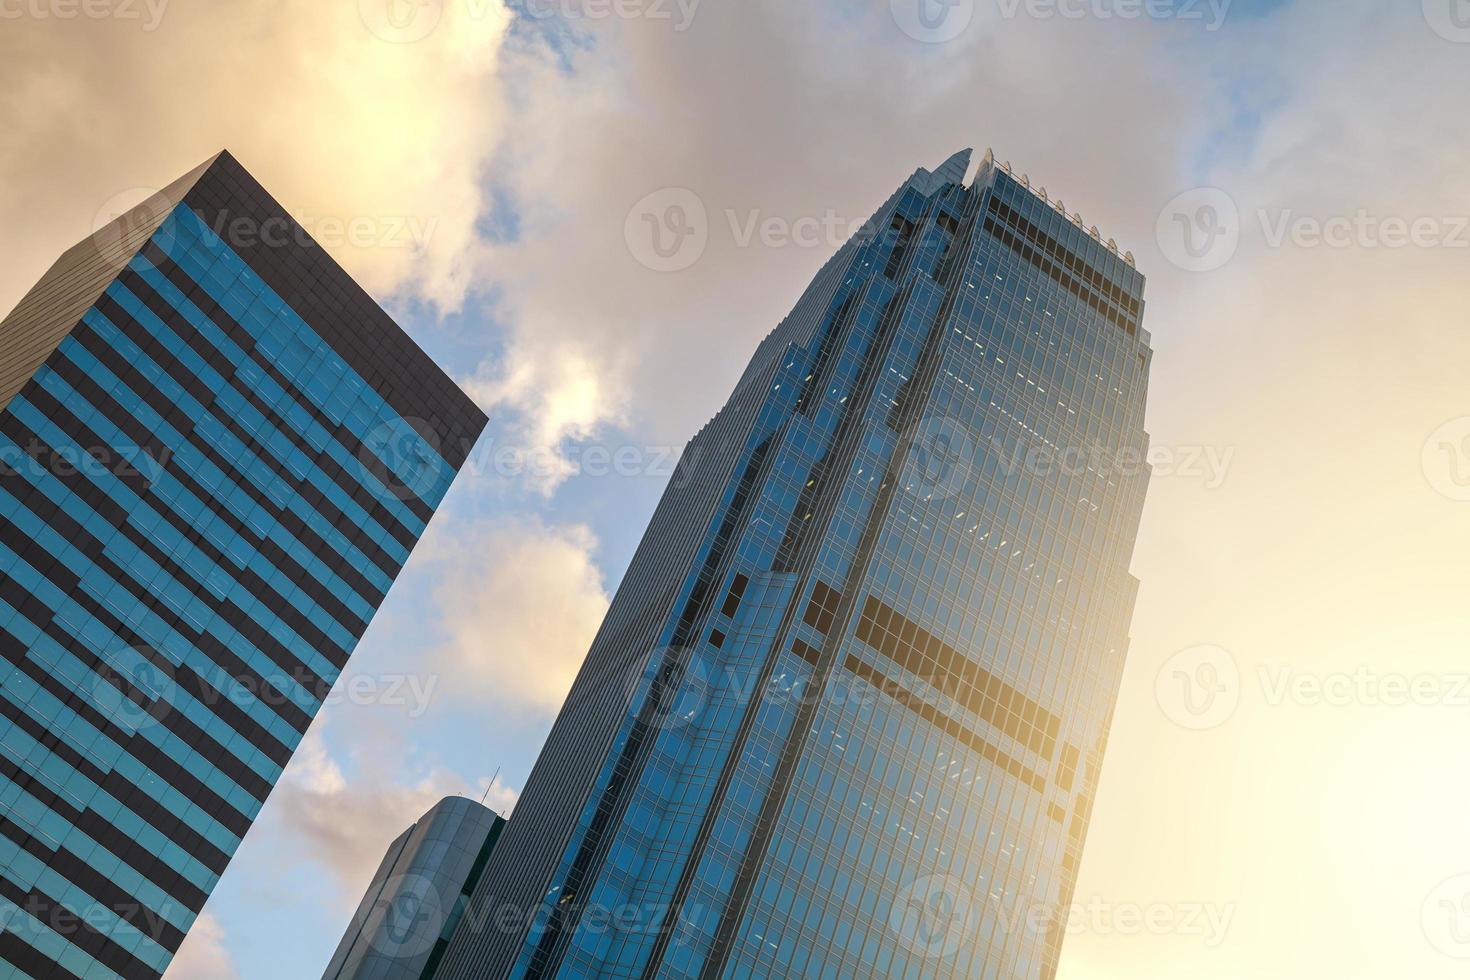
(490,786)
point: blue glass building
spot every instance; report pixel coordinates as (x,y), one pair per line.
(403,924)
(216,453)
(848,709)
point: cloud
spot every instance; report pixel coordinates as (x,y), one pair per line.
(203,955)
(343,821)
(639,111)
(343,116)
(518,604)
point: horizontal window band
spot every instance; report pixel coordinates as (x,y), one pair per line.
(77,377)
(114,784)
(948,725)
(943,667)
(96,944)
(144,751)
(100,887)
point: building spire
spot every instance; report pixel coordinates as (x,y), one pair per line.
(954,169)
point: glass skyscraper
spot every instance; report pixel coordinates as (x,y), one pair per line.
(216,452)
(846,715)
(417,897)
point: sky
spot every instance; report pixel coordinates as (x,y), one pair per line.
(1284,793)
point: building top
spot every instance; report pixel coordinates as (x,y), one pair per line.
(277,248)
(1040,193)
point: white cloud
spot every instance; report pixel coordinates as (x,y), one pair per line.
(338,123)
(203,955)
(343,820)
(340,814)
(518,605)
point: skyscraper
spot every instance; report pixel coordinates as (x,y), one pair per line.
(216,453)
(418,895)
(846,715)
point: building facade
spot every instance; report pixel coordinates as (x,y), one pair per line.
(216,452)
(418,895)
(848,709)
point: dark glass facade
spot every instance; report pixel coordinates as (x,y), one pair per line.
(216,453)
(847,713)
